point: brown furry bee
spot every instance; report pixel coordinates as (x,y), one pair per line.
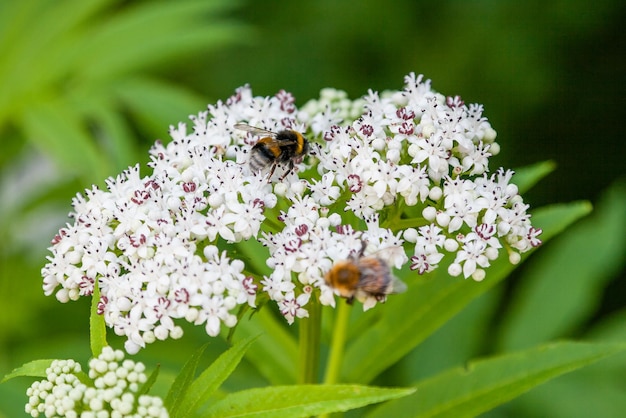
(363,276)
(275,148)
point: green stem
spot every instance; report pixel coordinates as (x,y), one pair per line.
(337,345)
(310,330)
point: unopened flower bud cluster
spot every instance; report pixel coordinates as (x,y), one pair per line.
(109,390)
(157,244)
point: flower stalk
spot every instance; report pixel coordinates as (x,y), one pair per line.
(309,348)
(337,344)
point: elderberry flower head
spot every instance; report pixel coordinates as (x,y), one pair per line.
(109,389)
(403,175)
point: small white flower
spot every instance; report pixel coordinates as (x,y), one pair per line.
(293,307)
(414,184)
(472,255)
(325,191)
(424,261)
(433,152)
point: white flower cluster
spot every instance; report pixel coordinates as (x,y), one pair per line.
(110,390)
(308,246)
(150,242)
(400,171)
(419,149)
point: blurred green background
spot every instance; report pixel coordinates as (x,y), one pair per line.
(87,86)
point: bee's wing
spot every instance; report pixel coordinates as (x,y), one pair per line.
(376,277)
(396,285)
(253,129)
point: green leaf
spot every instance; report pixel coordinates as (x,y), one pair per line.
(158,33)
(411,317)
(108,124)
(34,55)
(300,401)
(57,129)
(35,368)
(118,140)
(572,396)
(97,327)
(611,328)
(145,388)
(156,103)
(472,327)
(554,219)
(526,177)
(561,289)
(484,384)
(275,354)
(201,389)
(77,53)
(182,382)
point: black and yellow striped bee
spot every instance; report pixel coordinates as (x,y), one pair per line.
(275,148)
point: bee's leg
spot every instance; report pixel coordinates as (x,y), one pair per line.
(289,170)
(269,177)
(350,300)
(354,255)
(363,247)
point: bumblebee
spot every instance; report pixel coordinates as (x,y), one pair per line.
(275,148)
(361,277)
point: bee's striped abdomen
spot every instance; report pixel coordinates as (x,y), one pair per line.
(263,154)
